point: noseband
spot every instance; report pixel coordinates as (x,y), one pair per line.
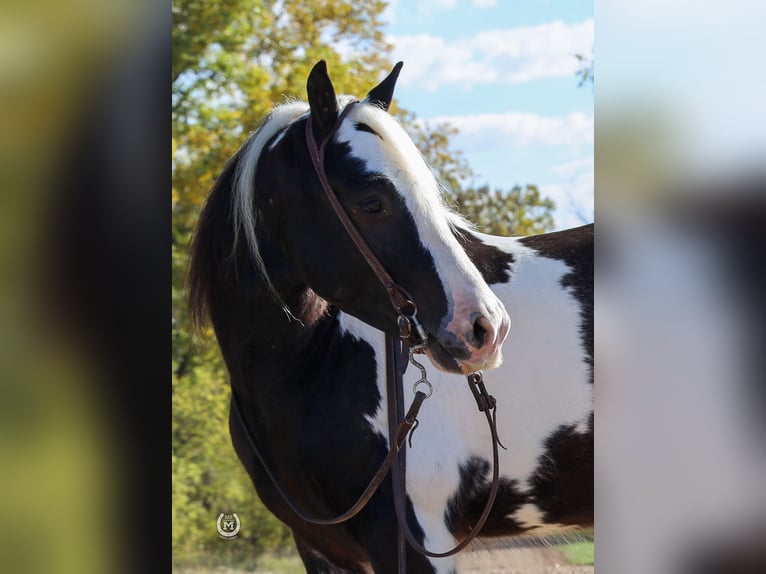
(400,425)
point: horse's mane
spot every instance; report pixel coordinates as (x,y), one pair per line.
(228,210)
(244,215)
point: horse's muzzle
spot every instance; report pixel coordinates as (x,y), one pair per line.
(478,347)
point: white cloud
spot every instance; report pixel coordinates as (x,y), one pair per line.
(485,3)
(520,129)
(511,55)
(518,137)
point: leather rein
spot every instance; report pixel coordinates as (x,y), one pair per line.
(400,424)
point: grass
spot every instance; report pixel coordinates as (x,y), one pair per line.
(280,565)
(265,564)
(578,553)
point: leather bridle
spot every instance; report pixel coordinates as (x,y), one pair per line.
(400,425)
(400,299)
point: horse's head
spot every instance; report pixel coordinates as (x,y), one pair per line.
(393,200)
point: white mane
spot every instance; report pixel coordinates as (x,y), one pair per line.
(279,119)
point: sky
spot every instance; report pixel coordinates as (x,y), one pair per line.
(503,73)
(699,67)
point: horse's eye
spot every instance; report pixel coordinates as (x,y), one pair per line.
(372,206)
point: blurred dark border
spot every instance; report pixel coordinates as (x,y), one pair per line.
(109,223)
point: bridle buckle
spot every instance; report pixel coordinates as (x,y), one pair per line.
(405,326)
(407,321)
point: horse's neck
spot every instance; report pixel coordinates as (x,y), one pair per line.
(269,340)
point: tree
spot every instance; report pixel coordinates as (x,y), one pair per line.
(518,211)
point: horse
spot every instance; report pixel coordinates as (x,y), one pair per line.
(301,319)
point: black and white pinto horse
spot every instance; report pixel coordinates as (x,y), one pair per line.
(300,320)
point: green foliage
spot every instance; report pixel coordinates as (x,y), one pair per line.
(208,478)
(231,62)
(579,553)
(513,212)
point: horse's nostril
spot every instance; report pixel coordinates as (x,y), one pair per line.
(482,329)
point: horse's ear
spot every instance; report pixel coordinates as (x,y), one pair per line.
(382,94)
(324,104)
